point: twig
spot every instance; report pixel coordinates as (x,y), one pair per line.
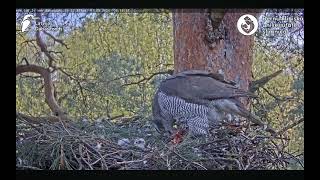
(168,64)
(128,162)
(34,77)
(296,159)
(64,127)
(77,159)
(261,82)
(290,126)
(277,97)
(148,78)
(62,163)
(84,99)
(28,167)
(101,157)
(230,159)
(211,142)
(248,162)
(80,151)
(116,117)
(55,39)
(126,76)
(195,163)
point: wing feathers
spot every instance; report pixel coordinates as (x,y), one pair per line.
(196,84)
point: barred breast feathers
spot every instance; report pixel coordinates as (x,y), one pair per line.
(176,106)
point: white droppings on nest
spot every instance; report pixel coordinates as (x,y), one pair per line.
(21,134)
(229,117)
(98,146)
(20,161)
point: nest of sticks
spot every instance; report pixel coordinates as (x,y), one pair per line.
(95,146)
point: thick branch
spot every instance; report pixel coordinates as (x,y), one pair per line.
(48,86)
(36,120)
(41,44)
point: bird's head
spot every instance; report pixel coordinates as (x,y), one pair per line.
(158,125)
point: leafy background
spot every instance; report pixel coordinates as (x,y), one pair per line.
(108,67)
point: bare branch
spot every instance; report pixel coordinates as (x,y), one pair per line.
(84,99)
(55,39)
(27,76)
(28,168)
(36,120)
(25,59)
(277,97)
(168,64)
(148,78)
(130,75)
(115,117)
(291,126)
(255,85)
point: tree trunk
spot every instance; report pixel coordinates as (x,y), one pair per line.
(209,40)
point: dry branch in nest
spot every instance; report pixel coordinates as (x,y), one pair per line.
(88,146)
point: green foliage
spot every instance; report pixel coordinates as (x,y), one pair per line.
(281,100)
(108,52)
(101,51)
